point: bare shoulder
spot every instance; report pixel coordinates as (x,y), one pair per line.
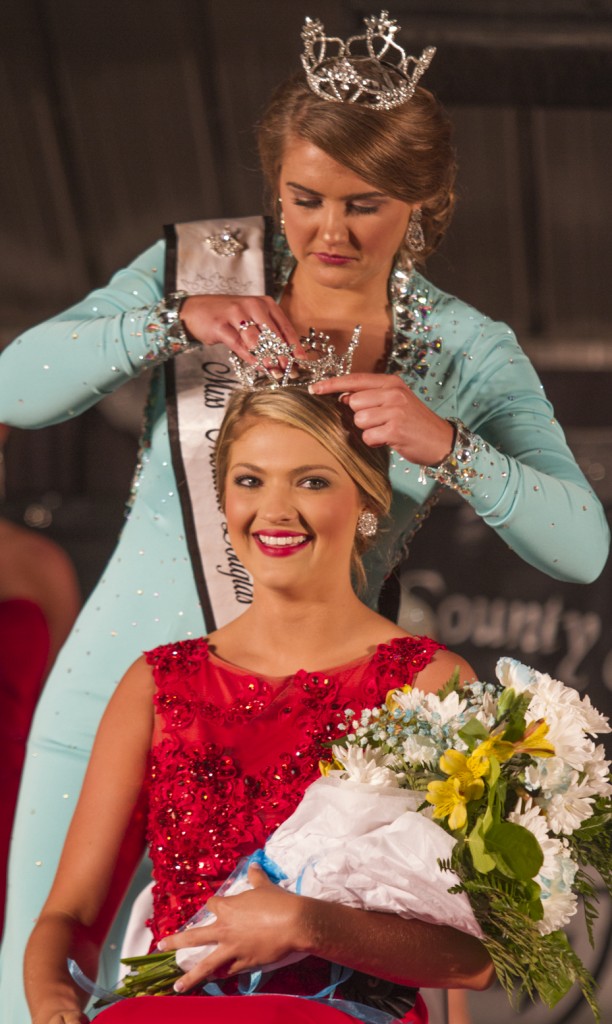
(137,679)
(380,630)
(441,668)
(133,696)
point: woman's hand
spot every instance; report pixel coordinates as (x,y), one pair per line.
(256,927)
(387,412)
(236,320)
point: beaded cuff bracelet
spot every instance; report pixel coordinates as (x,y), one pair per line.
(167,330)
(456,470)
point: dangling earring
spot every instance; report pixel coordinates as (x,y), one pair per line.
(281,215)
(367,523)
(415,239)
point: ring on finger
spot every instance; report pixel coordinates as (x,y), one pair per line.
(245,324)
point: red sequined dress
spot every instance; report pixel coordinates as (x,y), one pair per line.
(25,643)
(231,758)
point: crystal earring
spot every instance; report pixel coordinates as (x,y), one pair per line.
(415,239)
(281,215)
(367,523)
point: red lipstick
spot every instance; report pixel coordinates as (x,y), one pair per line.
(280,543)
(333,259)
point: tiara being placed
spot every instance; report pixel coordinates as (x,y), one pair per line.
(277,366)
(345,76)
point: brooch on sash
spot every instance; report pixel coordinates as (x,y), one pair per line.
(226,242)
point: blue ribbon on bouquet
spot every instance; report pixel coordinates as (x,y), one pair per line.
(248,984)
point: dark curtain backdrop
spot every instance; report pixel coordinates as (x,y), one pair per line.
(119,117)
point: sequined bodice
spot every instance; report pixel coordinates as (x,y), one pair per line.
(233,753)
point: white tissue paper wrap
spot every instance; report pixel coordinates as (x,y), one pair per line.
(364,846)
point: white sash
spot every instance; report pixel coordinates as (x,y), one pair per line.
(199,383)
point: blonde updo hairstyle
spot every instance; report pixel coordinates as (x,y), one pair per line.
(406,152)
(330,423)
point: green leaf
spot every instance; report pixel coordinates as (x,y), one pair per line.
(452,684)
(482,861)
(512,707)
(494,773)
(515,729)
(473,730)
(506,701)
(596,823)
(515,850)
(496,797)
(533,909)
(554,985)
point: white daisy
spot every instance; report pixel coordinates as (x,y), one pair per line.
(550,775)
(365,765)
(597,771)
(419,749)
(566,811)
(558,908)
(594,721)
(514,675)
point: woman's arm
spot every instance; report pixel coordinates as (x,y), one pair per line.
(266,923)
(59,368)
(409,952)
(522,479)
(103,847)
(526,483)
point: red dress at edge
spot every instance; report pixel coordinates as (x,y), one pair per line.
(24,652)
(231,758)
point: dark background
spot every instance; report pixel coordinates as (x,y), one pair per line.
(119,117)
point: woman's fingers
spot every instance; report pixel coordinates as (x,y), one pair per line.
(252,928)
(236,321)
(389,413)
(355,382)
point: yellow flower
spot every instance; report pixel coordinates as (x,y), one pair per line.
(449,801)
(450,798)
(325,767)
(493,747)
(467,769)
(533,741)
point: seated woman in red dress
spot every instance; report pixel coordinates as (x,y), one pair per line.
(209,744)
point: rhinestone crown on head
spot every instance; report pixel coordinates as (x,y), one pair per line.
(342,76)
(277,365)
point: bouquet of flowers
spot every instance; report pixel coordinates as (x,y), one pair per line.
(481,806)
(512,772)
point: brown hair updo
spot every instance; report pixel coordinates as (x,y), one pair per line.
(330,423)
(406,152)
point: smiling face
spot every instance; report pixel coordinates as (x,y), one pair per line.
(343,232)
(291,509)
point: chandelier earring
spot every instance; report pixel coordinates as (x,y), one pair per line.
(281,215)
(415,239)
(367,524)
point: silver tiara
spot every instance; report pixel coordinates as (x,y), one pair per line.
(277,365)
(344,76)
